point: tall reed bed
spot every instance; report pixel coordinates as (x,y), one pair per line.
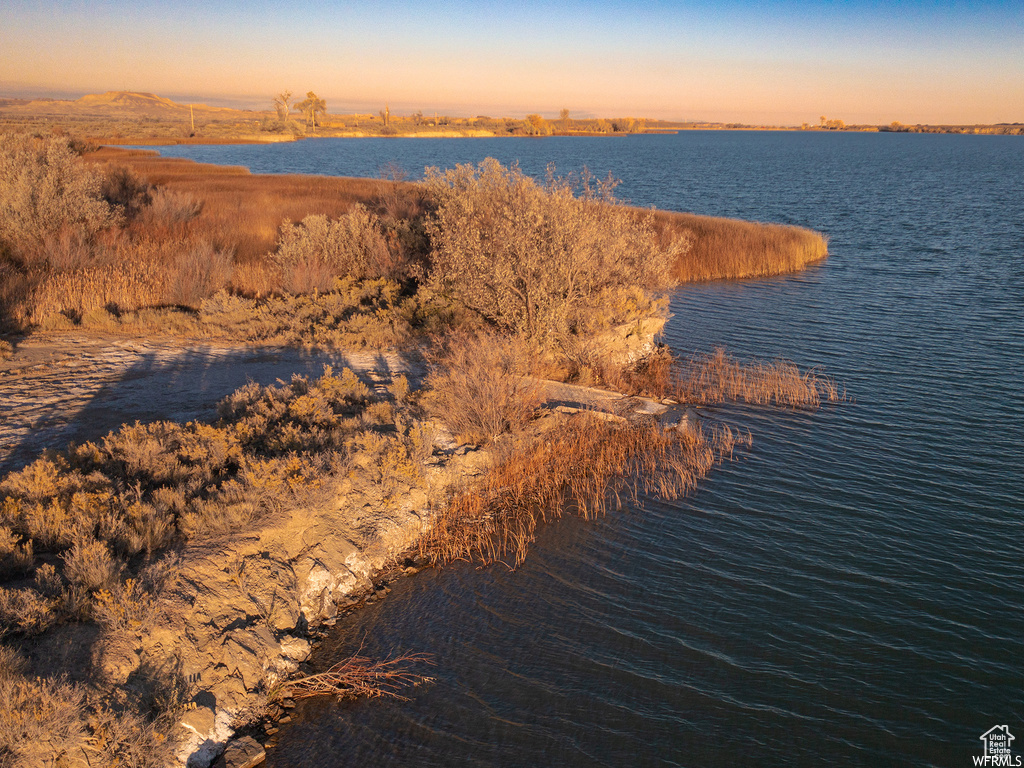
(579,467)
(717,377)
(242,210)
(731,249)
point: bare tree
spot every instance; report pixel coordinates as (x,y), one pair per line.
(311,107)
(563,117)
(282,103)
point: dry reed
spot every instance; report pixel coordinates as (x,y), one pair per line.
(717,377)
(731,249)
(240,209)
(127,286)
(579,467)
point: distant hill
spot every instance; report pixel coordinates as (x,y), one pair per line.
(112,104)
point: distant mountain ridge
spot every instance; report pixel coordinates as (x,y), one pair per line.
(113,104)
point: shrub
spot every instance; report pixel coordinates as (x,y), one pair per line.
(15,555)
(126,607)
(168,207)
(318,249)
(53,722)
(40,720)
(90,565)
(199,271)
(16,290)
(44,190)
(478,386)
(26,612)
(124,190)
(532,259)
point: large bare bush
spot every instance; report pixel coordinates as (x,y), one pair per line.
(44,190)
(535,259)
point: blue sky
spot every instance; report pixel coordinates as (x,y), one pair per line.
(754,62)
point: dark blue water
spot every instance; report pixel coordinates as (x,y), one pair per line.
(851,590)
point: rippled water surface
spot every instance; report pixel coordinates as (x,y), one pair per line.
(851,590)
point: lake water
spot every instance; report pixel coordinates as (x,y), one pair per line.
(850,591)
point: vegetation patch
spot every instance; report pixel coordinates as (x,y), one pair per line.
(578,467)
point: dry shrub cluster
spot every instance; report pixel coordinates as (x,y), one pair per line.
(538,260)
(371,313)
(717,377)
(478,385)
(318,250)
(51,722)
(102,516)
(578,467)
(103,505)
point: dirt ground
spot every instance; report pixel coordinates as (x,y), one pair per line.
(58,389)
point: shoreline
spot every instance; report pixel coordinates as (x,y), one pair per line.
(328,555)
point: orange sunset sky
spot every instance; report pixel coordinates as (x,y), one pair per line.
(755,62)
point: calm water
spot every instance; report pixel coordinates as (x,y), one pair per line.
(851,590)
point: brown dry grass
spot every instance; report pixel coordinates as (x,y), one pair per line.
(717,377)
(580,467)
(244,210)
(732,249)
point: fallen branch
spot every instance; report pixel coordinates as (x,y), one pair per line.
(360,676)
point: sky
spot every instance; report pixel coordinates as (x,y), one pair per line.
(781,63)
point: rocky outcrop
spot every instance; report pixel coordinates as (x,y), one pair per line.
(236,617)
